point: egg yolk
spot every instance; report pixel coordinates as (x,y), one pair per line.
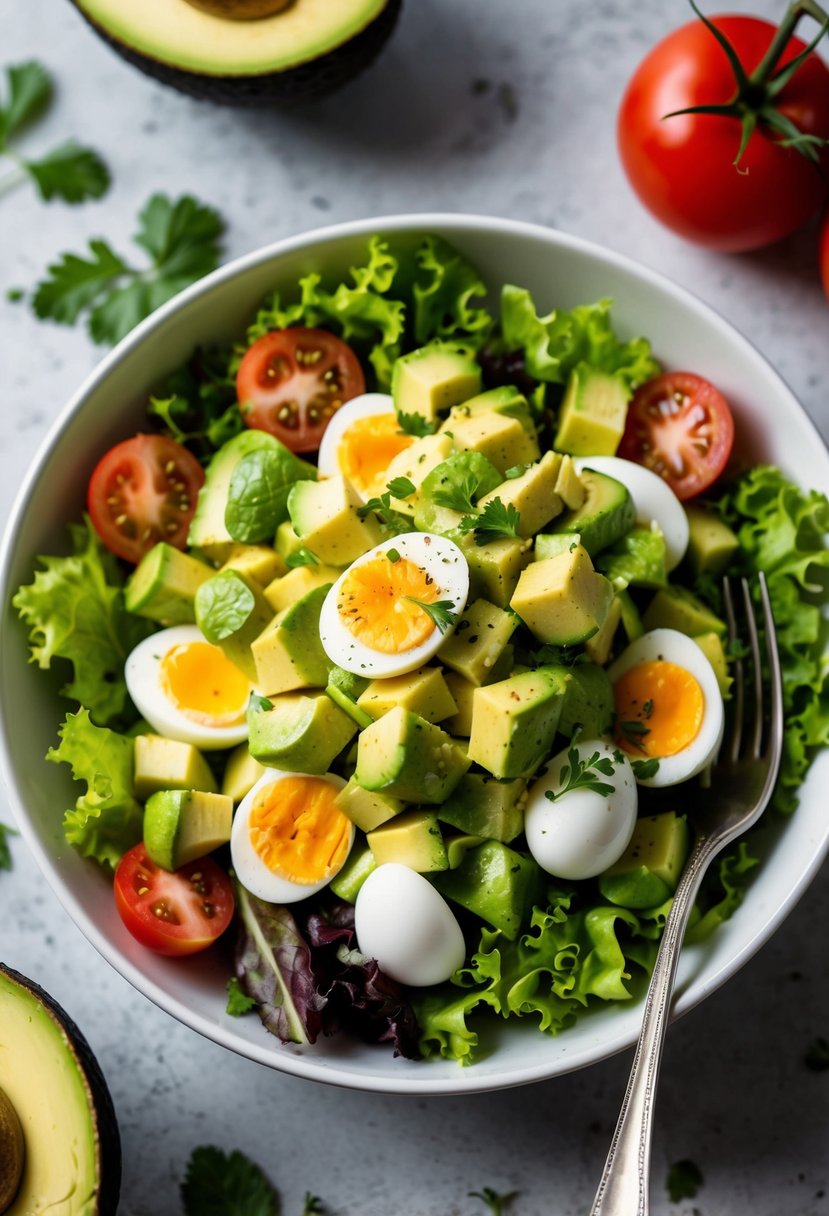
(201,681)
(367,448)
(297,829)
(659,709)
(375,607)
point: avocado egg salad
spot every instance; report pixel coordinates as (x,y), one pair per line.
(381,635)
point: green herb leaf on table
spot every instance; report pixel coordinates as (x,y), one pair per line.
(5,851)
(494,522)
(70,171)
(313,1205)
(578,774)
(226,1184)
(442,612)
(683,1181)
(496,1203)
(182,238)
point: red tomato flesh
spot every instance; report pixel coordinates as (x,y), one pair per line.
(679,426)
(172,913)
(291,381)
(142,491)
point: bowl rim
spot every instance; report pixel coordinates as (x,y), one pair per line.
(286,1061)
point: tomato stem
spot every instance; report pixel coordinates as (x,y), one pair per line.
(762,74)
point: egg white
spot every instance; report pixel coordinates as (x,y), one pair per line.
(582,832)
(439,557)
(142,673)
(367,405)
(407,926)
(249,868)
(653,500)
(674,647)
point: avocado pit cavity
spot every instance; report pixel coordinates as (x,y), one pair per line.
(12,1151)
(241,10)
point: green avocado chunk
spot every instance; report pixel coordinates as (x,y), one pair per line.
(163,585)
(359,864)
(592,416)
(413,839)
(183,825)
(484,806)
(514,721)
(677,608)
(606,514)
(431,379)
(496,883)
(288,653)
(169,764)
(711,543)
(299,732)
(407,757)
(588,702)
(648,871)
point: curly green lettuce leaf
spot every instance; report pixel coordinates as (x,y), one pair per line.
(106,819)
(74,610)
(448,294)
(721,898)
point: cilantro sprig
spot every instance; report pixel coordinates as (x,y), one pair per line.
(496,520)
(180,236)
(458,495)
(69,171)
(633,732)
(226,1184)
(442,612)
(416,424)
(584,774)
(390,520)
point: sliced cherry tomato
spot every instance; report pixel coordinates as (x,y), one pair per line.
(173,913)
(291,382)
(142,491)
(680,426)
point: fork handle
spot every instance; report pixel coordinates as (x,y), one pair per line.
(623,1189)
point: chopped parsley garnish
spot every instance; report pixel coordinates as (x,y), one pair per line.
(580,774)
(458,494)
(643,770)
(441,612)
(400,487)
(393,555)
(684,1180)
(258,703)
(415,424)
(495,521)
(389,519)
(633,732)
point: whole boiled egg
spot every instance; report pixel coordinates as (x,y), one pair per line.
(289,837)
(407,926)
(187,689)
(653,500)
(360,442)
(668,705)
(390,610)
(581,811)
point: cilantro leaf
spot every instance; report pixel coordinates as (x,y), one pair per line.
(29,89)
(238,1001)
(401,487)
(5,851)
(633,732)
(684,1180)
(182,239)
(458,495)
(226,1184)
(496,1203)
(579,774)
(644,769)
(495,521)
(313,1205)
(442,612)
(389,519)
(69,172)
(415,424)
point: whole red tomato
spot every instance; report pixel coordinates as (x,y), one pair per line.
(682,167)
(823,252)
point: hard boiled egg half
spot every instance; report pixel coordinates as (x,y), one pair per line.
(668,705)
(360,442)
(187,689)
(289,838)
(653,499)
(391,609)
(581,811)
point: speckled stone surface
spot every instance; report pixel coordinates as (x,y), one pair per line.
(416,133)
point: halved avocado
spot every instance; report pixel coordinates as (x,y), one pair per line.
(303,51)
(69,1156)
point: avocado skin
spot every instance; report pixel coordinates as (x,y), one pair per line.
(305,82)
(106,1124)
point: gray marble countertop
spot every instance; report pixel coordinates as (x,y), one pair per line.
(415,134)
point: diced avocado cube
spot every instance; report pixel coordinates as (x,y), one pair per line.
(296,584)
(477,641)
(648,871)
(711,645)
(298,732)
(533,494)
(458,846)
(207,528)
(502,440)
(261,563)
(359,864)
(288,653)
(415,463)
(505,400)
(231,610)
(163,585)
(550,544)
(424,692)
(286,542)
(325,515)
(604,516)
(341,699)
(404,755)
(600,645)
(494,567)
(569,485)
(496,883)
(514,721)
(562,600)
(167,764)
(429,516)
(367,809)
(592,417)
(183,825)
(462,694)
(430,380)
(484,806)
(589,705)
(241,773)
(677,608)
(711,543)
(414,840)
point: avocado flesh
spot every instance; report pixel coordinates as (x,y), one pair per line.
(179,35)
(72,1163)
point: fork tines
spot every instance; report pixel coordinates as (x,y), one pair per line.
(756,706)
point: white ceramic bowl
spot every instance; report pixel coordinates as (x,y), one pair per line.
(558,270)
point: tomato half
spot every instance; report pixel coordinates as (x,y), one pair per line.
(682,167)
(823,253)
(290,382)
(142,491)
(173,913)
(681,427)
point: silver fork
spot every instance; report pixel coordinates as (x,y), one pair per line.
(742,781)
